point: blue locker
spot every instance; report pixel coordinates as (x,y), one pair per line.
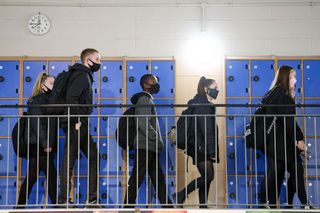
(9,79)
(56,67)
(259,161)
(80,190)
(166,115)
(7,122)
(299,114)
(135,70)
(109,116)
(312,123)
(164,71)
(262,76)
(95,86)
(93,121)
(8,186)
(255,186)
(237,77)
(111,81)
(170,188)
(8,158)
(238,189)
(313,157)
(296,65)
(311,78)
(37,195)
(313,189)
(238,157)
(237,117)
(31,71)
(167,157)
(111,192)
(283,196)
(110,157)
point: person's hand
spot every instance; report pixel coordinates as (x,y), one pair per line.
(78,125)
(302,146)
(49,149)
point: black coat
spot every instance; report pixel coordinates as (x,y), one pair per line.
(79,91)
(41,129)
(284,147)
(205,134)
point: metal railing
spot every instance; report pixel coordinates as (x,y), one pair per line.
(244,178)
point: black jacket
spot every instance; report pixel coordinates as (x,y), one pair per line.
(41,128)
(206,131)
(79,91)
(286,128)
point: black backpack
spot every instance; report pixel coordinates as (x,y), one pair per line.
(260,127)
(59,92)
(126,131)
(184,133)
(18,136)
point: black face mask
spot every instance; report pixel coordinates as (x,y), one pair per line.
(94,67)
(48,90)
(155,88)
(213,93)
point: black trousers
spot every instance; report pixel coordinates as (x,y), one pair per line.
(83,139)
(156,175)
(271,184)
(32,177)
(203,182)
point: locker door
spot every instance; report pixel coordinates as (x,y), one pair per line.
(238,188)
(311,78)
(255,185)
(8,190)
(313,157)
(80,189)
(109,117)
(262,76)
(110,157)
(237,78)
(312,122)
(167,157)
(7,122)
(296,65)
(9,79)
(8,158)
(238,157)
(111,79)
(31,71)
(237,117)
(164,70)
(56,67)
(111,192)
(313,189)
(135,70)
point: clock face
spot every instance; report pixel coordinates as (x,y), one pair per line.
(39,24)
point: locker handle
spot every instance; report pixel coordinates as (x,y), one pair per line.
(120,67)
(105,79)
(247,66)
(120,90)
(28,79)
(247,90)
(120,168)
(231,118)
(104,196)
(2,79)
(172,91)
(17,91)
(172,168)
(131,79)
(17,67)
(231,155)
(232,195)
(299,66)
(147,67)
(96,90)
(104,118)
(120,184)
(231,78)
(1,118)
(171,67)
(1,157)
(272,67)
(95,129)
(44,67)
(256,78)
(299,90)
(104,156)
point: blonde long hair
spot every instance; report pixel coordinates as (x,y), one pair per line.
(37,85)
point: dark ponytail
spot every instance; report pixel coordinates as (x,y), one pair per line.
(203,82)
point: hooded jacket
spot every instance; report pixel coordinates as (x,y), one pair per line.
(148,129)
(204,130)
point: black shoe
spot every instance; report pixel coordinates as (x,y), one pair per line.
(93,205)
(178,198)
(62,203)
